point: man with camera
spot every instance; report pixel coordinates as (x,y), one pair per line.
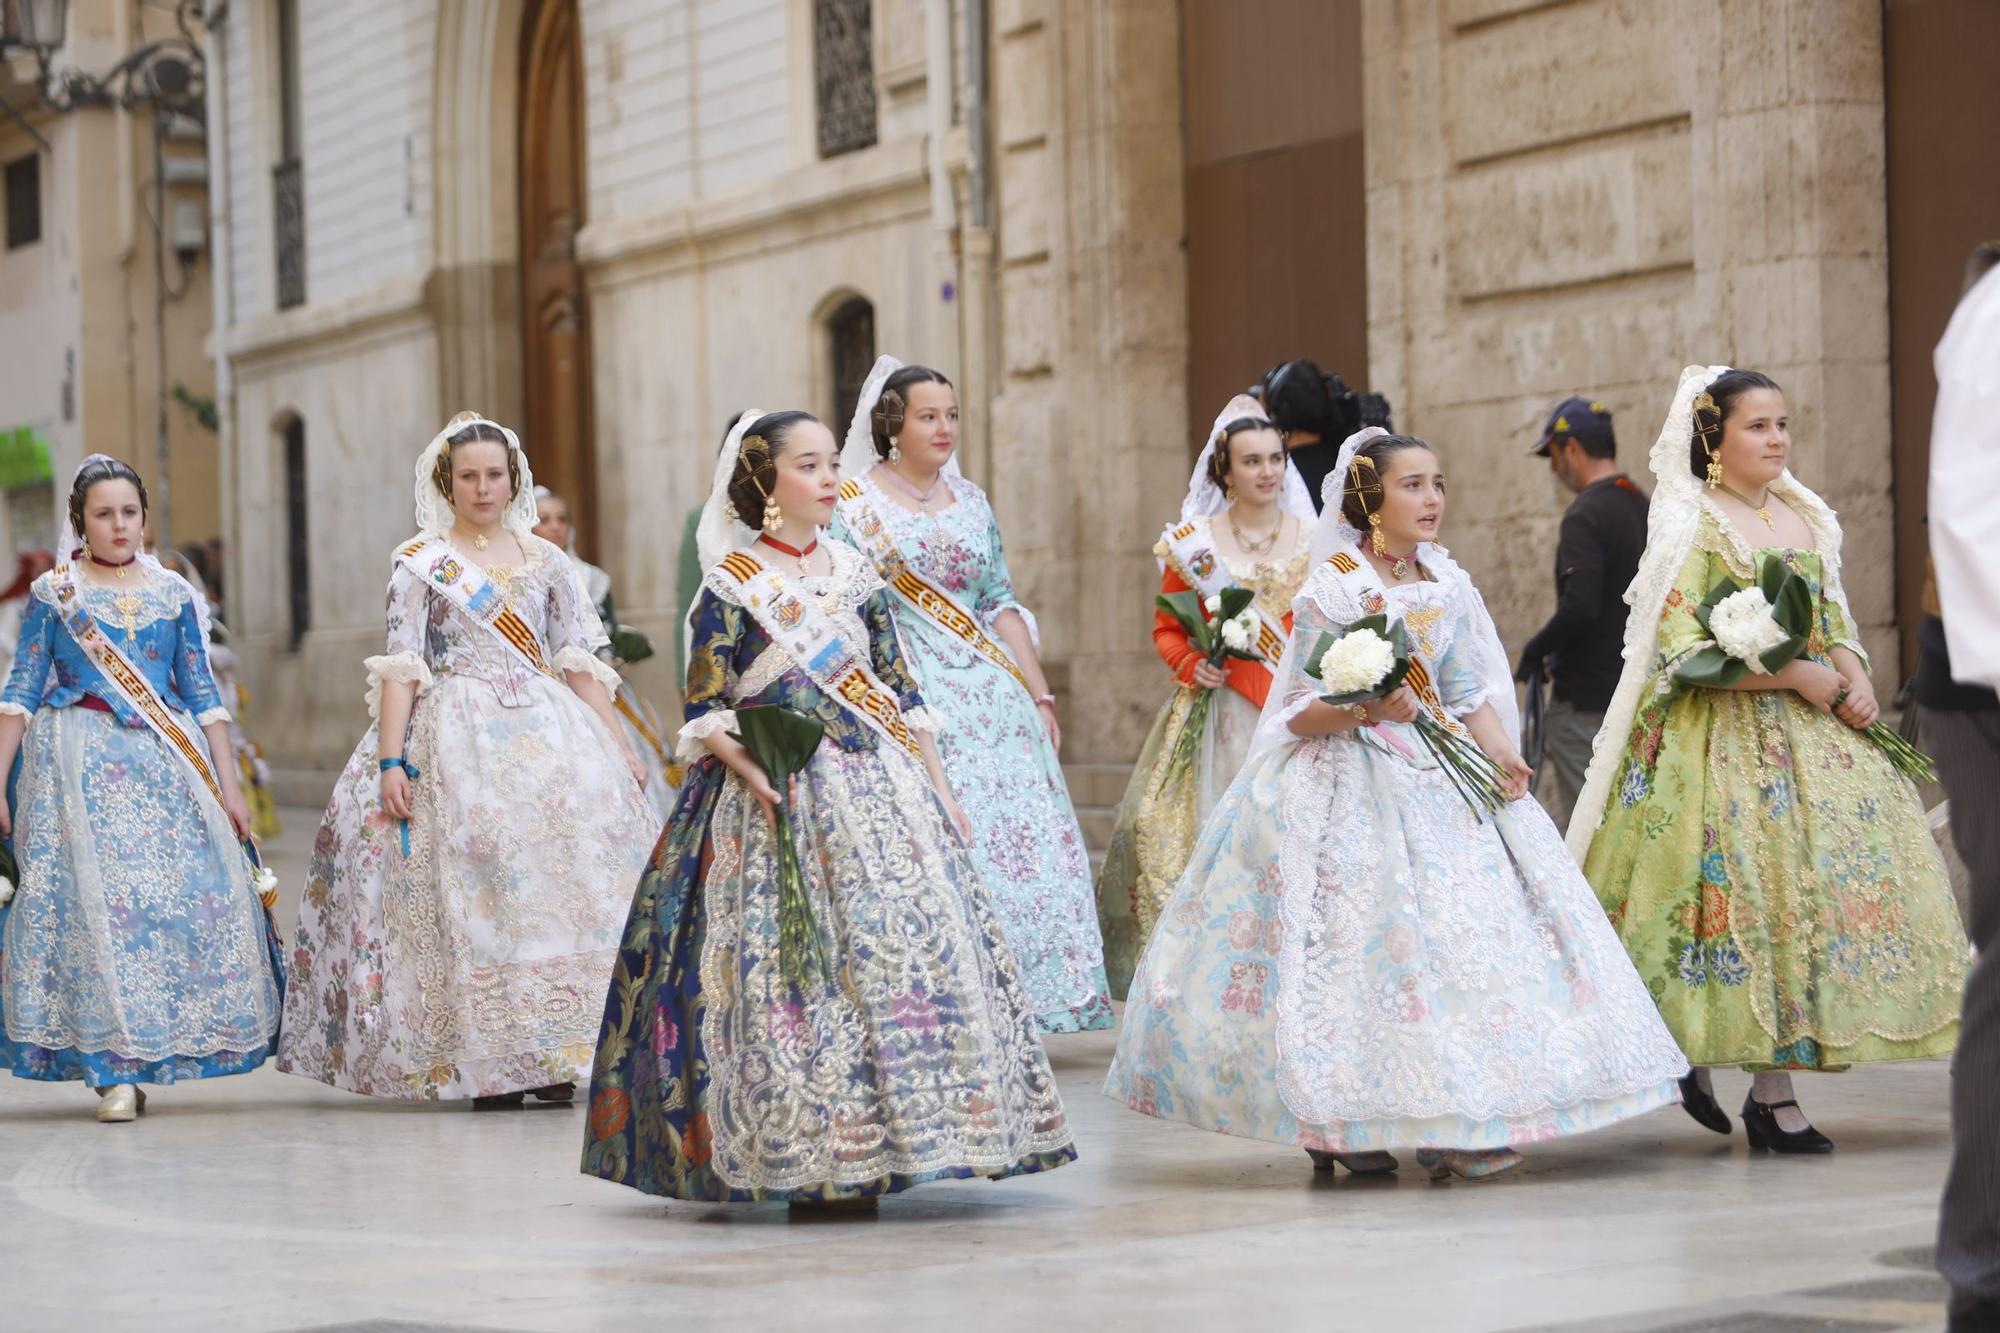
(1317,413)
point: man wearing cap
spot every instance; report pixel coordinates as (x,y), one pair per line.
(1582,645)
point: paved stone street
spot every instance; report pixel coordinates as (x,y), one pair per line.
(266,1202)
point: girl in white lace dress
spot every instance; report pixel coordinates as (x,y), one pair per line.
(462,909)
(1354,961)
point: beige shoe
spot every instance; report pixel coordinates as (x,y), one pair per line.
(119,1103)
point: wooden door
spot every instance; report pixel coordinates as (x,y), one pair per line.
(555,311)
(1277,240)
(1942,103)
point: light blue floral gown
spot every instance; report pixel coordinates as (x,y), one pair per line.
(135,949)
(1003,770)
(1352,961)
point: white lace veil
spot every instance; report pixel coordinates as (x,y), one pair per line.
(1335,533)
(70,544)
(857,450)
(434,512)
(1205,498)
(1673,519)
(719,531)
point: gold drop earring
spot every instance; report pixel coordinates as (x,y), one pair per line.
(1381,547)
(1714,471)
(895,452)
(774,517)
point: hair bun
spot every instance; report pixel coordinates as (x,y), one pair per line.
(464,418)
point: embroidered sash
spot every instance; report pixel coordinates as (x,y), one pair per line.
(131,683)
(1363,588)
(932,602)
(466,587)
(808,636)
(1195,559)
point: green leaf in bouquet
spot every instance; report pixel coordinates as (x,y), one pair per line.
(629,645)
(1235,600)
(1185,607)
(1712,667)
(782,743)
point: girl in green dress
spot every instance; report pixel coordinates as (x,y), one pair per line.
(1769,871)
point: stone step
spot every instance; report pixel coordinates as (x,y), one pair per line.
(1096,784)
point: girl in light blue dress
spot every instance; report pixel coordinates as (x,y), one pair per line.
(933,539)
(135,948)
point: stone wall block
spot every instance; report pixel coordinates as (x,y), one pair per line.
(1564,72)
(1028,208)
(1853,308)
(1754,73)
(1022,84)
(1844,149)
(1836,50)
(1028,319)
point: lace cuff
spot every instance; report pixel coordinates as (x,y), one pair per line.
(1853,646)
(11,709)
(1027,618)
(1461,711)
(405,667)
(208,715)
(1279,724)
(688,746)
(926,718)
(573,658)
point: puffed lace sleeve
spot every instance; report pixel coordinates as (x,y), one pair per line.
(715,628)
(575,632)
(29,677)
(407,617)
(194,679)
(997,596)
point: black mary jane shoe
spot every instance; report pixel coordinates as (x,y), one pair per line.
(555,1092)
(499,1101)
(1760,1125)
(1700,1104)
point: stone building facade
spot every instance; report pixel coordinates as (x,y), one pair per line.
(615,222)
(83,305)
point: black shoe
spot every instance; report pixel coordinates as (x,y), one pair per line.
(1761,1127)
(499,1101)
(1700,1104)
(556,1092)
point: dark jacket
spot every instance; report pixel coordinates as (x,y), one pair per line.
(1603,536)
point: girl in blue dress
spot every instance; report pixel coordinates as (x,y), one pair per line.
(135,949)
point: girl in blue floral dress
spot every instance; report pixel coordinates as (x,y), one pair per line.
(135,948)
(914,1058)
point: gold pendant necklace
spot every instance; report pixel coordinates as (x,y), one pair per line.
(479,541)
(1257,548)
(1761,508)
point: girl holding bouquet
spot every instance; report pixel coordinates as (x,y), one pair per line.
(1358,958)
(898,1045)
(932,538)
(1246,524)
(1766,864)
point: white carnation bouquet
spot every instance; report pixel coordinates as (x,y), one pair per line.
(1221,627)
(1369,660)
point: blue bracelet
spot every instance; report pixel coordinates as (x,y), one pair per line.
(384,765)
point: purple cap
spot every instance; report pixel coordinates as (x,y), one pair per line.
(1585,418)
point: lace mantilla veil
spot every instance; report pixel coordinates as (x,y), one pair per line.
(434,513)
(1673,521)
(1335,533)
(1206,499)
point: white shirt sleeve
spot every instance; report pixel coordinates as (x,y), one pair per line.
(1965,483)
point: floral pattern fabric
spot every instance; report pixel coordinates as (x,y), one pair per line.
(1158,820)
(135,949)
(473,964)
(1771,874)
(1002,767)
(1352,960)
(715,1079)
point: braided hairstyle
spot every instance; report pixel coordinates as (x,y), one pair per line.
(101,469)
(1711,409)
(1361,493)
(1218,459)
(473,429)
(885,421)
(756,474)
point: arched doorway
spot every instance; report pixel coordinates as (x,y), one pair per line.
(555,313)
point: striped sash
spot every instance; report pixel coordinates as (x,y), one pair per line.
(466,587)
(930,601)
(131,683)
(1191,551)
(809,638)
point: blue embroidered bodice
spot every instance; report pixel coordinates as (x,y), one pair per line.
(154,622)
